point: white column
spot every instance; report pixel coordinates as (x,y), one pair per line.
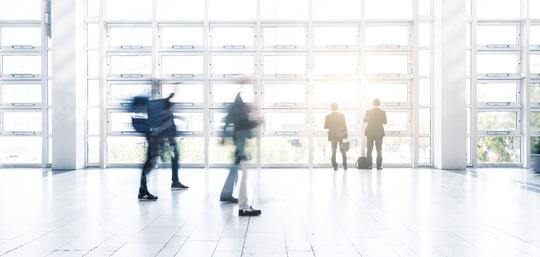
(449,103)
(68,84)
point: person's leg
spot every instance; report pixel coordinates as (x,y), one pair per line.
(378,146)
(174,160)
(149,163)
(228,187)
(343,154)
(244,209)
(370,141)
(333,160)
(242,193)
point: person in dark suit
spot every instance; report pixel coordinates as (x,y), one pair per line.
(337,132)
(375,119)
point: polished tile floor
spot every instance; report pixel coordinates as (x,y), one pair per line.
(394,212)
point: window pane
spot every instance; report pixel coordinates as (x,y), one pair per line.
(93,121)
(496,92)
(497,63)
(12,64)
(93,92)
(184,93)
(424,92)
(397,121)
(322,152)
(396,150)
(424,35)
(121,122)
(93,64)
(284,65)
(283,94)
(192,122)
(498,149)
(180,10)
(20,36)
(93,35)
(182,65)
(335,36)
(424,150)
(337,9)
(284,37)
(182,37)
(20,9)
(94,8)
(334,64)
(534,9)
(387,64)
(191,150)
(498,9)
(232,10)
(496,35)
(138,10)
(126,150)
(424,121)
(233,37)
(279,121)
(284,9)
(534,64)
(343,93)
(20,149)
(534,120)
(218,120)
(497,121)
(22,121)
(387,36)
(130,36)
(424,7)
(534,92)
(284,150)
(122,93)
(534,35)
(225,93)
(388,93)
(232,65)
(380,9)
(424,63)
(224,154)
(21,93)
(93,150)
(131,64)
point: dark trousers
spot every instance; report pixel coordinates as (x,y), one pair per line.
(343,153)
(155,146)
(378,146)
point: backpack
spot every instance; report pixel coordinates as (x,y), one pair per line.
(362,163)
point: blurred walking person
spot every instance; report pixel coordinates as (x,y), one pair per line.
(239,125)
(160,131)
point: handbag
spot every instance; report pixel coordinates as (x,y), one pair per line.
(345,145)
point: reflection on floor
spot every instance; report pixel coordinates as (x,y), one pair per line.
(394,212)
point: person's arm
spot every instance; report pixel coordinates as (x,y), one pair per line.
(346,134)
(326,123)
(384,117)
(366,116)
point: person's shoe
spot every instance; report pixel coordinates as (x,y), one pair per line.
(228,199)
(379,168)
(249,212)
(147,197)
(178,186)
(344,167)
(335,168)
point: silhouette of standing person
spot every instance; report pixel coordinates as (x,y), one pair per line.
(337,132)
(238,117)
(375,119)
